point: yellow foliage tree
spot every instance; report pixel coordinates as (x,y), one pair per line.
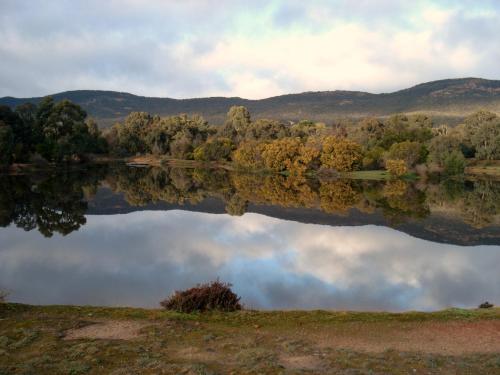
(340,154)
(289,154)
(396,167)
(248,155)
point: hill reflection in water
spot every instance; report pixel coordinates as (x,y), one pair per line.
(127,236)
(451,211)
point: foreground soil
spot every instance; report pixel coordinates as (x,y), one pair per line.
(89,340)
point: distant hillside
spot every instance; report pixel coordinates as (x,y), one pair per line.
(446,100)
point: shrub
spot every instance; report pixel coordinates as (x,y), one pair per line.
(282,154)
(214,150)
(340,154)
(410,152)
(204,297)
(440,147)
(486,305)
(3,295)
(374,158)
(454,163)
(396,167)
(249,155)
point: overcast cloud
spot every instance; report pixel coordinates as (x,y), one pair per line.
(232,48)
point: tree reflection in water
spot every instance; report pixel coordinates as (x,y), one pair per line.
(57,202)
(53,203)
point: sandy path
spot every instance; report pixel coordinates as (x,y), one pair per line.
(108,330)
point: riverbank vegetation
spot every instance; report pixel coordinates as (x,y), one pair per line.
(400,144)
(49,132)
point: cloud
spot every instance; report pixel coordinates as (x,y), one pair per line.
(142,257)
(236,48)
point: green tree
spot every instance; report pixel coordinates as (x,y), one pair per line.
(237,123)
(440,148)
(454,163)
(27,133)
(373,158)
(6,144)
(369,132)
(410,152)
(305,129)
(21,133)
(176,136)
(483,130)
(266,130)
(132,134)
(214,150)
(401,128)
(65,132)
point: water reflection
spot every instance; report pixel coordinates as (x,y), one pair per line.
(139,258)
(126,236)
(52,204)
(57,203)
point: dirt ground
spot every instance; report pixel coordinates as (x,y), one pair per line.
(450,338)
(86,340)
(107,330)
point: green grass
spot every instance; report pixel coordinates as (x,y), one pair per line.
(278,317)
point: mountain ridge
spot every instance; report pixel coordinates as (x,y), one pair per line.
(447,100)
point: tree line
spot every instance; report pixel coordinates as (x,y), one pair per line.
(401,143)
(398,144)
(49,131)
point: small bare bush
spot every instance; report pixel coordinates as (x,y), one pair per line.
(486,305)
(204,297)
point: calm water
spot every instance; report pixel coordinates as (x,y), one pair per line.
(123,236)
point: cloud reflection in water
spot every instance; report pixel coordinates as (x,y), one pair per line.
(138,259)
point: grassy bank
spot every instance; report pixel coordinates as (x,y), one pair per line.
(475,169)
(490,169)
(158,161)
(484,168)
(95,340)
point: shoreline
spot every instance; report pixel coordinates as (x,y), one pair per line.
(453,313)
(475,169)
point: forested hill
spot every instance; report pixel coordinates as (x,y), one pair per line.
(447,100)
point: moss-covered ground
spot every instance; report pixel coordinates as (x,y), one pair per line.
(34,340)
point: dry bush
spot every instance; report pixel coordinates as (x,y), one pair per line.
(486,305)
(204,297)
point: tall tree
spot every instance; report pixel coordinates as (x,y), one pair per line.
(6,144)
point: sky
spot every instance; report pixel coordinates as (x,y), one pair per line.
(252,49)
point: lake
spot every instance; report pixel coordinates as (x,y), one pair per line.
(120,236)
